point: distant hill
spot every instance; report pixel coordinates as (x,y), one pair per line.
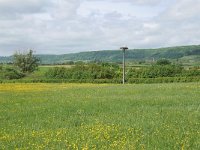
(182,53)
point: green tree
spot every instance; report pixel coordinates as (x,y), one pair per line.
(163,62)
(26,62)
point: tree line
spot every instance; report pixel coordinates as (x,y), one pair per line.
(26,63)
(163,68)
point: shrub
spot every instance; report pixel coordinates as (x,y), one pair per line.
(83,72)
(56,73)
(10,73)
(163,62)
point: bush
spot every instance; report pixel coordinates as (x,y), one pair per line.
(163,62)
(83,72)
(10,73)
(191,73)
(57,73)
(156,71)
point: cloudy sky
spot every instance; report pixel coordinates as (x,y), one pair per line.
(66,26)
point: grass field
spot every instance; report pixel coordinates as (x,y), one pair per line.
(106,116)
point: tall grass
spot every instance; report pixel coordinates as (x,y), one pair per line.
(91,116)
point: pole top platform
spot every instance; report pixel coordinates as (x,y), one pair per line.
(124,48)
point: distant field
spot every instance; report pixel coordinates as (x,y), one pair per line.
(106,116)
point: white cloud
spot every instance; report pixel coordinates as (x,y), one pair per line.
(10,9)
(64,26)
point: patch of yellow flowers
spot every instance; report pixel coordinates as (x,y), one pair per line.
(28,87)
(96,136)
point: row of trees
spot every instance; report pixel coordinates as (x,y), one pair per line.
(82,71)
(162,68)
(26,63)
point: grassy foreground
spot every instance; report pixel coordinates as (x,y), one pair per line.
(106,116)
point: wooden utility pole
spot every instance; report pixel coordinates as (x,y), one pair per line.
(124,49)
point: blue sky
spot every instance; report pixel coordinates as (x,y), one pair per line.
(68,26)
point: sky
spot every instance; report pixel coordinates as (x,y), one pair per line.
(69,26)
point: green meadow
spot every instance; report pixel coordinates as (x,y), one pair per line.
(100,116)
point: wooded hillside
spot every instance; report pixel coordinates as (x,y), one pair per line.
(182,53)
